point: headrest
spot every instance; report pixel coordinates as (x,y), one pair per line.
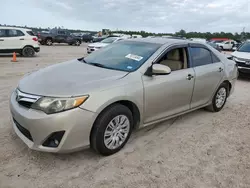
(174,55)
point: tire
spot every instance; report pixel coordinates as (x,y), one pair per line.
(221,48)
(42,43)
(49,42)
(78,43)
(103,138)
(218,103)
(28,51)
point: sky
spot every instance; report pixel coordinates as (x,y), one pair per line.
(160,16)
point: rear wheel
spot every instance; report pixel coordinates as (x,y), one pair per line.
(28,51)
(112,130)
(219,99)
(49,42)
(78,43)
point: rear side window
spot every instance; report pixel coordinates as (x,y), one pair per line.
(30,33)
(3,33)
(15,33)
(200,56)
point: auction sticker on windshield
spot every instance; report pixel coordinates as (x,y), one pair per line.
(134,57)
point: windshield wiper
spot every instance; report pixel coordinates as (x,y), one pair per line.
(97,65)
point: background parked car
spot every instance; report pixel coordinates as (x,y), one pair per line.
(214,45)
(19,40)
(97,45)
(58,36)
(227,45)
(242,58)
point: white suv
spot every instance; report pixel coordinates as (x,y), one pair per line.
(19,40)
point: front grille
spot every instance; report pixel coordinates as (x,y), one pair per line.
(25,104)
(24,131)
(242,64)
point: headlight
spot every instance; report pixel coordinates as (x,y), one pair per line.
(51,105)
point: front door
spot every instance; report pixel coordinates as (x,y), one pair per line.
(208,74)
(166,95)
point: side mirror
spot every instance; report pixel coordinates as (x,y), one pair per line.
(158,69)
(230,57)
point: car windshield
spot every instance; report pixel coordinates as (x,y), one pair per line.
(125,56)
(244,47)
(108,40)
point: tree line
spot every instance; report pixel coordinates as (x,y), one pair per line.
(181,33)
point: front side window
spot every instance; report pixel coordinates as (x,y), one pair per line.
(200,56)
(3,33)
(61,32)
(175,59)
(125,55)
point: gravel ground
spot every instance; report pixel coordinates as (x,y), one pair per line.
(197,150)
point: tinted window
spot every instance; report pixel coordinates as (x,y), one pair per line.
(244,47)
(30,33)
(215,58)
(200,56)
(61,32)
(15,33)
(3,33)
(125,55)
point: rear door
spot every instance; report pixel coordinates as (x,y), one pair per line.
(3,39)
(16,39)
(208,74)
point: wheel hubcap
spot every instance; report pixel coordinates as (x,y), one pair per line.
(49,42)
(116,132)
(221,97)
(28,52)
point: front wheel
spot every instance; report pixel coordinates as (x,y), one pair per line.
(112,130)
(219,99)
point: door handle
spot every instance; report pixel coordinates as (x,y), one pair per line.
(21,39)
(1,40)
(189,77)
(220,69)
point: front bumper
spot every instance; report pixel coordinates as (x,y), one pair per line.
(245,70)
(76,123)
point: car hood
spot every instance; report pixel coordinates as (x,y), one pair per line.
(98,44)
(243,55)
(72,78)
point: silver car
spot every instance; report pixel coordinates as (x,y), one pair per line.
(100,99)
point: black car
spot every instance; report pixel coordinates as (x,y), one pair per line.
(58,36)
(87,38)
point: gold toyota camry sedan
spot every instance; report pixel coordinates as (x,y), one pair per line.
(99,100)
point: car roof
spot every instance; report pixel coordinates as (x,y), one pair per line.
(5,27)
(162,40)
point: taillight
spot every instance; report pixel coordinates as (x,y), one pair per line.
(34,39)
